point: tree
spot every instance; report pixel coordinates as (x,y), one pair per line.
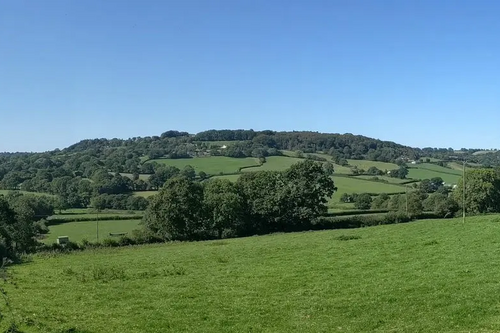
(381,201)
(441,204)
(308,189)
(202,175)
(401,173)
(188,172)
(482,191)
(176,212)
(415,203)
(328,168)
(396,203)
(223,205)
(363,201)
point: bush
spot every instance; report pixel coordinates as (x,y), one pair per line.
(108,242)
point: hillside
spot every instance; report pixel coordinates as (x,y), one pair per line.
(121,174)
(426,276)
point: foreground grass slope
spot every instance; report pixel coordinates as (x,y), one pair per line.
(427,276)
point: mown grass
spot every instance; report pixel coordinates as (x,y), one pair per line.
(78,231)
(426,276)
(211,165)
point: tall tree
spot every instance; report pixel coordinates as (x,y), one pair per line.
(176,212)
(224,206)
(482,191)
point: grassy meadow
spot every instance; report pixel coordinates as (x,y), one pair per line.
(5,192)
(78,231)
(145,194)
(355,185)
(365,164)
(425,276)
(213,165)
(390,180)
(419,173)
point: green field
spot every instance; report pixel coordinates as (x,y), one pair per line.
(437,168)
(459,166)
(364,164)
(211,165)
(145,194)
(276,163)
(426,276)
(424,173)
(354,185)
(5,192)
(386,178)
(131,176)
(77,231)
(232,178)
(91,213)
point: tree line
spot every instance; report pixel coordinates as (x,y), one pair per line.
(257,203)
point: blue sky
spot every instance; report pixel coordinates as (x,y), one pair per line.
(421,73)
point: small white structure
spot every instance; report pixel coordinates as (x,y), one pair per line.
(62,240)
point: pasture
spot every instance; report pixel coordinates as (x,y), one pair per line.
(437,168)
(365,164)
(384,178)
(145,194)
(5,192)
(425,276)
(78,231)
(276,163)
(213,165)
(355,185)
(421,173)
(142,176)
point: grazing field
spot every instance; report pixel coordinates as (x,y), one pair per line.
(276,163)
(91,213)
(459,166)
(388,179)
(354,185)
(145,194)
(213,165)
(78,231)
(5,192)
(426,276)
(437,168)
(418,173)
(142,176)
(364,164)
(232,178)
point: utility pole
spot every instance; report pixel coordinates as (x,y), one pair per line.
(97,224)
(406,190)
(463,193)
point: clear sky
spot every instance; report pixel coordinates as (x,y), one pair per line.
(421,73)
